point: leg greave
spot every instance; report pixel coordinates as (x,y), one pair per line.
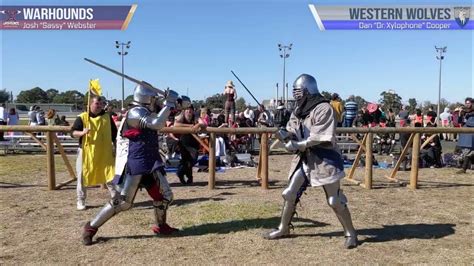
(338,202)
(291,196)
(117,205)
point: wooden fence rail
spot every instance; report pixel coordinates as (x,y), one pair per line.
(262,169)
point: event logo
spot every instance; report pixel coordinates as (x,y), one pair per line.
(461,15)
(10,20)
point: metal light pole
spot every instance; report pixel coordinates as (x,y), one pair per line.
(277,93)
(122,53)
(440,57)
(284,53)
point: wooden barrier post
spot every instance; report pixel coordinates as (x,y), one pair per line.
(50,161)
(401,159)
(368,161)
(414,161)
(212,161)
(198,139)
(259,165)
(350,177)
(64,156)
(361,143)
(427,141)
(263,155)
(264,158)
(36,139)
(66,162)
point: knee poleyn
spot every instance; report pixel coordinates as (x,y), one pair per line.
(338,202)
(288,195)
(120,205)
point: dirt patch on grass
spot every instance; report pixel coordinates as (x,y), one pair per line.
(224,226)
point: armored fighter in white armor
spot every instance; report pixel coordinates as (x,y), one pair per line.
(311,133)
(144,164)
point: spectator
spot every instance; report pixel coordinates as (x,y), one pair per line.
(351,112)
(264,117)
(50,117)
(249,114)
(40,116)
(457,120)
(375,112)
(3,119)
(390,118)
(94,126)
(281,116)
(63,121)
(221,119)
(404,116)
(431,114)
(188,145)
(231,96)
(204,117)
(32,120)
(404,137)
(221,151)
(466,141)
(109,108)
(446,121)
(418,118)
(171,140)
(366,118)
(468,110)
(257,114)
(338,109)
(12,119)
(384,141)
(431,153)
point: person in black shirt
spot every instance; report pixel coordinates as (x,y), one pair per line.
(431,153)
(431,114)
(188,145)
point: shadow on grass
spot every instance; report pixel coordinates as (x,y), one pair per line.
(421,184)
(399,232)
(437,184)
(14,185)
(226,184)
(179,202)
(225,228)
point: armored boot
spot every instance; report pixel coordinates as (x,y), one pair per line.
(283,229)
(88,233)
(350,234)
(161,227)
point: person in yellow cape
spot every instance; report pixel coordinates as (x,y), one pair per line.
(95,159)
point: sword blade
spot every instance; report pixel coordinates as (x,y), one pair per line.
(125,76)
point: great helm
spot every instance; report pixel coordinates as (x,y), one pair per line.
(143,95)
(304,84)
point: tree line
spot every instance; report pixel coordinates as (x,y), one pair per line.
(388,100)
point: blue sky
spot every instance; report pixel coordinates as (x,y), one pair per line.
(195,44)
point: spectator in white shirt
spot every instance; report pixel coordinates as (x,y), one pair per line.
(3,119)
(249,114)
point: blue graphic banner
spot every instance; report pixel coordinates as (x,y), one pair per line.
(393,17)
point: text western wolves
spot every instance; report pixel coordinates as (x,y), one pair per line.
(63,13)
(379,13)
